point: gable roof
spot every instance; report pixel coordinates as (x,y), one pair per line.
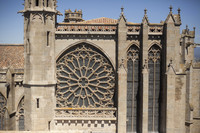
(11,55)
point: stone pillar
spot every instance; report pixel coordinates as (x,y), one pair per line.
(39,72)
(170,107)
(122,93)
(145,74)
(122,74)
(145,94)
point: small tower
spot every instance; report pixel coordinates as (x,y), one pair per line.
(39,70)
(73,17)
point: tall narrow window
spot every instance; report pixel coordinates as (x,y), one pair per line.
(36,2)
(2,112)
(154,88)
(48,32)
(38,102)
(132,88)
(20,114)
(21,121)
(47,3)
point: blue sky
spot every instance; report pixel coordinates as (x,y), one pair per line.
(11,23)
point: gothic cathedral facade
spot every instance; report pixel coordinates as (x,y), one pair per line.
(99,76)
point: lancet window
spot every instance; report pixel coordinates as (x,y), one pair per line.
(85,78)
(154,64)
(2,112)
(20,115)
(132,88)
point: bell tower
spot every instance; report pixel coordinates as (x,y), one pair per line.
(39,70)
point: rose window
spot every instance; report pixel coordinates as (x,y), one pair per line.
(85,79)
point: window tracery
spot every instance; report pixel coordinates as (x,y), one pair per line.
(132,88)
(3,103)
(154,64)
(20,115)
(85,79)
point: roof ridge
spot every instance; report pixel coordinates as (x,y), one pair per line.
(101,20)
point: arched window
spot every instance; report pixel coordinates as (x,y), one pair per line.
(2,112)
(154,64)
(20,115)
(132,88)
(85,78)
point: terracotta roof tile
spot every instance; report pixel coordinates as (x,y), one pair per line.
(102,20)
(12,56)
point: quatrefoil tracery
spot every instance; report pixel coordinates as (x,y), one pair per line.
(85,79)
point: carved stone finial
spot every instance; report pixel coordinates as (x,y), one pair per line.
(145,11)
(122,63)
(179,11)
(170,8)
(171,61)
(194,28)
(186,27)
(122,9)
(145,64)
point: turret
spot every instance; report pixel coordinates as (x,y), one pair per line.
(39,70)
(73,17)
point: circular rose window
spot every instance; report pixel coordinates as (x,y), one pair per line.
(85,79)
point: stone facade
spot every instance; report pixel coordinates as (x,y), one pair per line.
(99,76)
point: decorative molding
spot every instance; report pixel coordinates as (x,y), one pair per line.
(85,79)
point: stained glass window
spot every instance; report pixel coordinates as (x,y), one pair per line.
(20,114)
(154,88)
(85,79)
(132,88)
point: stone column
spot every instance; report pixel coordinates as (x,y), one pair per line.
(145,74)
(122,74)
(170,107)
(145,94)
(122,93)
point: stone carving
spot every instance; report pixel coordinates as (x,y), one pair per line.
(2,77)
(133,28)
(85,113)
(94,28)
(154,54)
(20,115)
(85,79)
(133,53)
(155,29)
(37,15)
(2,111)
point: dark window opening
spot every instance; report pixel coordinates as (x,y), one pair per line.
(48,32)
(38,102)
(36,2)
(47,3)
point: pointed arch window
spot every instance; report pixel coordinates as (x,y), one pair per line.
(20,115)
(2,112)
(154,64)
(132,88)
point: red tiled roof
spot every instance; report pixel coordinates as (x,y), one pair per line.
(12,56)
(102,20)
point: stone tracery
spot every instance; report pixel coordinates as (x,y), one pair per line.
(2,111)
(85,79)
